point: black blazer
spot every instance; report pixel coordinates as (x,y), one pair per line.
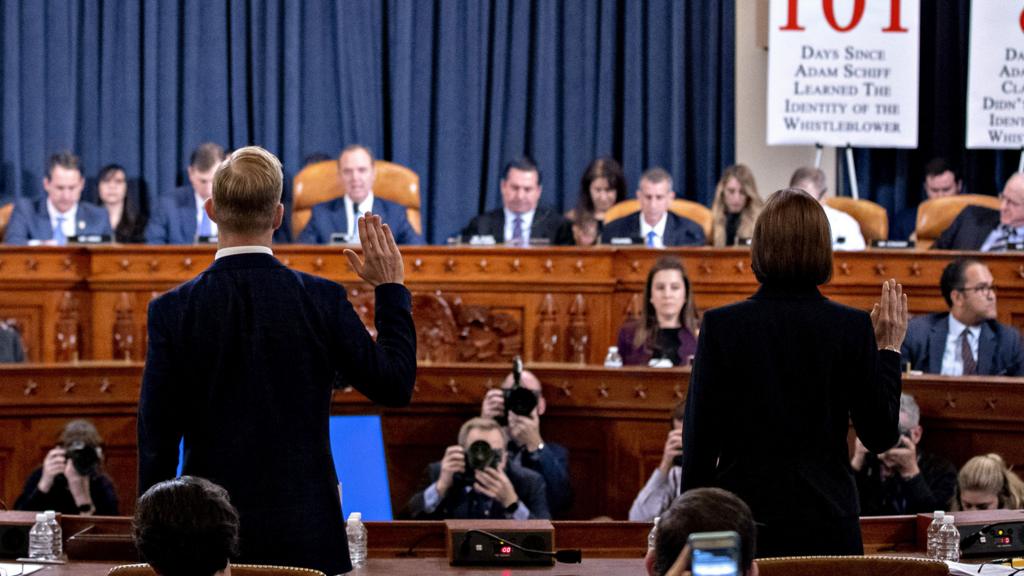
(969,230)
(999,347)
(774,382)
(546,224)
(458,503)
(679,230)
(242,363)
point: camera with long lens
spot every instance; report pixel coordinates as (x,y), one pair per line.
(84,457)
(518,399)
(479,456)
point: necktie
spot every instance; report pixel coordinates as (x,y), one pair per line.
(650,238)
(204,224)
(58,232)
(970,365)
(1003,241)
(517,231)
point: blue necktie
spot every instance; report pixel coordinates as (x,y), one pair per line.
(58,232)
(204,225)
(650,238)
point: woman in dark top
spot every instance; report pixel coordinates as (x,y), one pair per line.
(777,379)
(668,322)
(125,218)
(602,186)
(71,479)
(735,207)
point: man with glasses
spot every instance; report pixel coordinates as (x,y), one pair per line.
(967,340)
(846,234)
(470,482)
(988,230)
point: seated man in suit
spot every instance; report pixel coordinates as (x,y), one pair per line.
(526,447)
(476,480)
(186,526)
(903,479)
(356,174)
(60,215)
(941,179)
(180,217)
(846,234)
(985,229)
(655,224)
(521,221)
(968,339)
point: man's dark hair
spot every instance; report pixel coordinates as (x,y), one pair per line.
(953,277)
(792,242)
(206,156)
(65,159)
(703,510)
(186,527)
(108,172)
(354,147)
(938,166)
(656,175)
(523,164)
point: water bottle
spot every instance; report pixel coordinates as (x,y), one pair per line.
(653,535)
(356,539)
(933,534)
(613,359)
(948,546)
(58,542)
(40,539)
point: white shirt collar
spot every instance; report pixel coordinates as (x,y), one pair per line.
(70,217)
(235,250)
(659,229)
(956,328)
(365,206)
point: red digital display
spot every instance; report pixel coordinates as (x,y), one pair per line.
(506,549)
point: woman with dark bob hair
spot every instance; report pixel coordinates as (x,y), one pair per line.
(668,322)
(778,377)
(126,220)
(602,186)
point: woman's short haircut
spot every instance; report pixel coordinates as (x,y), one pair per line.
(247,190)
(792,242)
(186,527)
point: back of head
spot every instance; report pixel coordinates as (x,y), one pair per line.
(989,473)
(792,244)
(247,190)
(703,510)
(186,527)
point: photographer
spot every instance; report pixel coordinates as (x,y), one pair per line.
(71,479)
(475,480)
(903,479)
(663,485)
(526,447)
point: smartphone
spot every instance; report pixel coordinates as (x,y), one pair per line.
(715,553)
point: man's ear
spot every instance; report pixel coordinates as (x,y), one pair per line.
(649,562)
(278,216)
(210,210)
(915,434)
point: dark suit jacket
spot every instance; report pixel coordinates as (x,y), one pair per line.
(330,218)
(175,219)
(546,224)
(999,346)
(31,221)
(679,231)
(552,463)
(969,230)
(242,362)
(774,382)
(458,503)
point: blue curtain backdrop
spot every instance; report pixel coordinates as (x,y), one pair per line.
(450,88)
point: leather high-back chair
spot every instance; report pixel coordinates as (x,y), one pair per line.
(5,217)
(850,566)
(936,214)
(236,570)
(873,219)
(319,182)
(695,211)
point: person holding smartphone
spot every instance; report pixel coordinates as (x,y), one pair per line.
(663,485)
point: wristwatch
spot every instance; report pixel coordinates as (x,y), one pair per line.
(511,508)
(86,509)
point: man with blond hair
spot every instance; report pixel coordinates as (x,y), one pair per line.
(242,361)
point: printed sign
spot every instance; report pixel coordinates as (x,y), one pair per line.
(995,81)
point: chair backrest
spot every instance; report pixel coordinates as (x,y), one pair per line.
(319,182)
(5,217)
(695,211)
(850,566)
(873,219)
(236,570)
(936,214)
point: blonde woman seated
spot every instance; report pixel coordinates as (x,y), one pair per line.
(985,483)
(666,330)
(735,207)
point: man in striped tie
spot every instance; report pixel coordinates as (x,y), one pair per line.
(967,340)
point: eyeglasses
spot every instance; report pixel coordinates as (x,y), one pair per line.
(986,289)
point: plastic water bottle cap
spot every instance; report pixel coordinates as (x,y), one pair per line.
(938,514)
(947,519)
(355,517)
(41,517)
(50,515)
(613,349)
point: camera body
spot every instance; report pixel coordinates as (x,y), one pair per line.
(480,455)
(518,399)
(84,457)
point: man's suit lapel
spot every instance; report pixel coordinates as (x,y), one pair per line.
(986,349)
(539,226)
(42,229)
(937,345)
(339,219)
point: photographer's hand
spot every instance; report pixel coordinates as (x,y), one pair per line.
(525,430)
(78,485)
(494,403)
(454,462)
(53,465)
(903,458)
(494,483)
(673,448)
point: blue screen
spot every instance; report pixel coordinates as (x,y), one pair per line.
(714,563)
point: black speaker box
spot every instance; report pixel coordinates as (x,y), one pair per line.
(14,540)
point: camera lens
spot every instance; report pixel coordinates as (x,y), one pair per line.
(479,455)
(83,457)
(520,400)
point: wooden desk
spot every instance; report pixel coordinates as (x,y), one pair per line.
(551,304)
(613,421)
